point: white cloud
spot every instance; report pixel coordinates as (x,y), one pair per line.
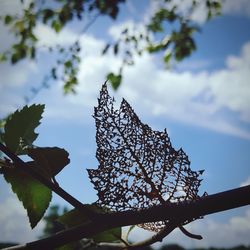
(240,7)
(199,99)
(16,75)
(48,37)
(217,100)
(12,7)
(235,231)
(246,182)
(231,86)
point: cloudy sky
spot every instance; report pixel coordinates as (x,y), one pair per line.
(204,102)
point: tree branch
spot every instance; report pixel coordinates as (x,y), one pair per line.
(180,212)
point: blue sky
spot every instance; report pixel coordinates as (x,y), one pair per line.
(204,102)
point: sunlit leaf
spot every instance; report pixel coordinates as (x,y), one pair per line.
(19,128)
(34,196)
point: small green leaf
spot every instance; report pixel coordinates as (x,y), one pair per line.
(51,160)
(68,64)
(16,57)
(19,128)
(3,57)
(57,26)
(47,14)
(69,86)
(76,217)
(152,48)
(115,80)
(19,25)
(8,19)
(167,58)
(34,196)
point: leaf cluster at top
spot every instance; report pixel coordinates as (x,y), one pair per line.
(169,31)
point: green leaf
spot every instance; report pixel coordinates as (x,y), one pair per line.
(152,48)
(112,235)
(51,160)
(17,56)
(20,25)
(34,196)
(8,19)
(57,26)
(167,57)
(76,217)
(3,57)
(68,64)
(69,86)
(19,128)
(115,80)
(47,14)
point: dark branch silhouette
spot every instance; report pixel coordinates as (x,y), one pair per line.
(183,211)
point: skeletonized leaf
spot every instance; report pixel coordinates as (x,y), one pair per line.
(34,196)
(51,160)
(19,128)
(76,217)
(138,167)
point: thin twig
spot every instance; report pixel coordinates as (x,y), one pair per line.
(184,211)
(190,235)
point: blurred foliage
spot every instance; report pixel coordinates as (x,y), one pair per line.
(53,226)
(175,43)
(75,217)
